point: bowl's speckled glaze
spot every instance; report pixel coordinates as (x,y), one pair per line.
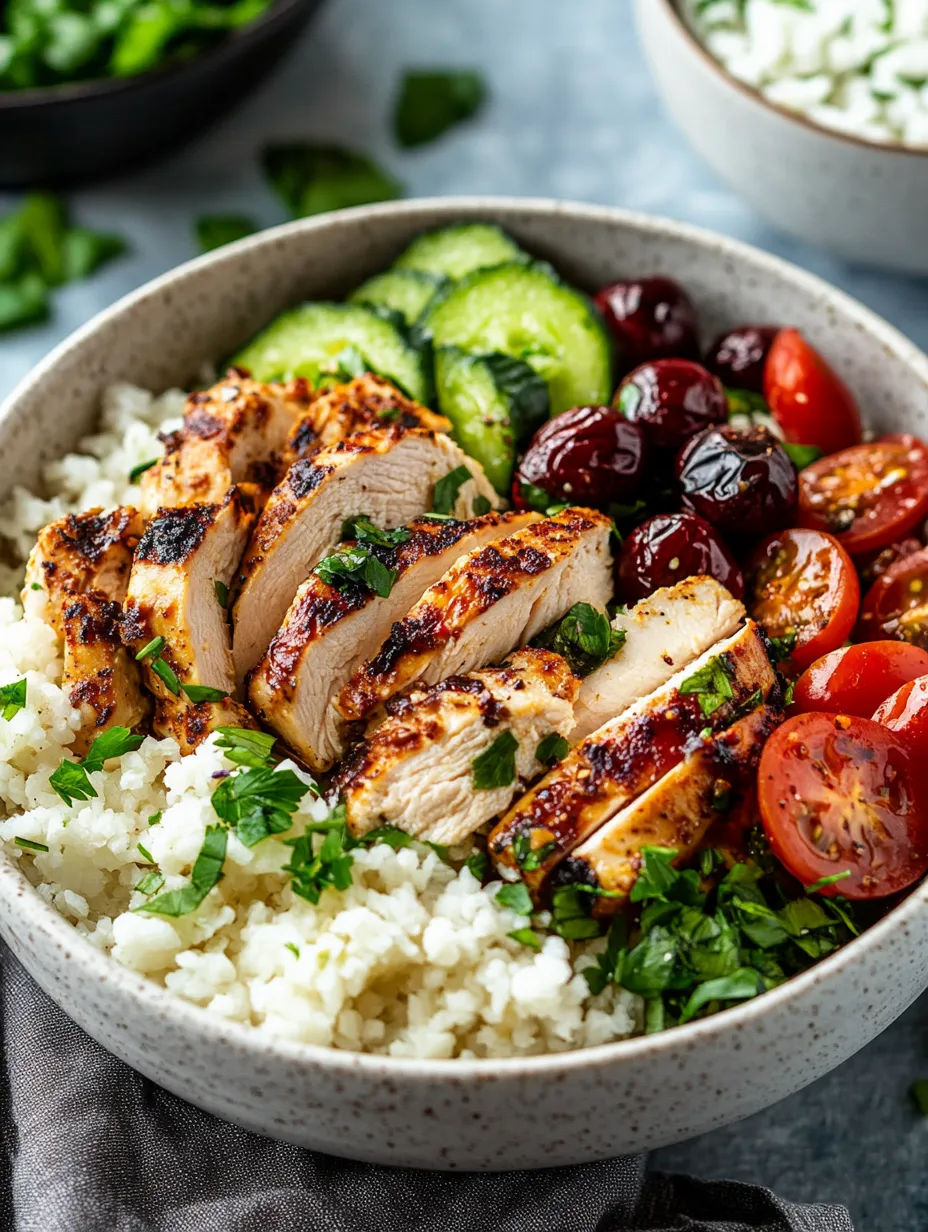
(525,1113)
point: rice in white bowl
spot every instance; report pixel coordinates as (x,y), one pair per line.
(413,959)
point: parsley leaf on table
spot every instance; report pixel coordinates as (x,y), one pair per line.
(430,101)
(312,179)
(216,230)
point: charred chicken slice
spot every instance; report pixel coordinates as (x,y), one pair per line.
(662,634)
(421,769)
(489,602)
(329,632)
(100,676)
(367,402)
(234,433)
(176,618)
(79,553)
(677,812)
(629,754)
(389,474)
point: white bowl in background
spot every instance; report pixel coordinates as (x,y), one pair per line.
(488,1114)
(865,200)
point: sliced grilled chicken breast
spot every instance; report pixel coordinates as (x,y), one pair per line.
(180,576)
(100,676)
(78,553)
(662,634)
(417,770)
(234,433)
(706,787)
(627,755)
(328,633)
(366,402)
(389,474)
(489,602)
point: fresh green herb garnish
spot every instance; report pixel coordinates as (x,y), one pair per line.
(537,498)
(478,864)
(35,586)
(746,402)
(584,637)
(526,936)
(481,506)
(151,883)
(312,179)
(154,647)
(789,692)
(258,801)
(551,749)
(246,747)
(149,858)
(361,528)
(138,471)
(294,949)
(393,836)
(222,593)
(530,858)
(782,647)
(919,1090)
(432,101)
(206,873)
(447,488)
(516,897)
(712,684)
(570,909)
(216,230)
(12,698)
(801,455)
(203,693)
(166,675)
(71,783)
(29,844)
(155,818)
(71,780)
(496,767)
(359,566)
(328,868)
(827,881)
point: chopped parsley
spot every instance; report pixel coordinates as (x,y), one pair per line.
(246,747)
(570,909)
(789,692)
(827,881)
(294,949)
(516,897)
(584,638)
(138,471)
(149,858)
(155,818)
(478,864)
(536,498)
(481,506)
(919,1090)
(222,593)
(151,883)
(496,767)
(746,402)
(361,528)
(71,779)
(782,647)
(711,683)
(445,495)
(530,858)
(206,873)
(203,693)
(154,647)
(166,675)
(12,698)
(357,565)
(29,844)
(526,936)
(258,802)
(393,836)
(801,455)
(313,871)
(551,749)
(313,178)
(430,101)
(215,230)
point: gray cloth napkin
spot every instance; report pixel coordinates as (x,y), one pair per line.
(91,1146)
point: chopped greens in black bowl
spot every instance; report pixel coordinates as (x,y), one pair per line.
(90,87)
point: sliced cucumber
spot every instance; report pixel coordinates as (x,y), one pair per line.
(494,403)
(522,311)
(406,291)
(459,250)
(313,340)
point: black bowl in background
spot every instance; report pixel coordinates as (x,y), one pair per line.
(73,133)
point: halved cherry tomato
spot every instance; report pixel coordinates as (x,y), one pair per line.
(869,495)
(906,715)
(808,399)
(802,587)
(837,794)
(856,679)
(874,565)
(896,605)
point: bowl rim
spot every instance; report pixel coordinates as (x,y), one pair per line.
(32,914)
(103,87)
(797,118)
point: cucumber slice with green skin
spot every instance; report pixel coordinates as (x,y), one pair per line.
(312,340)
(494,402)
(459,250)
(522,311)
(406,291)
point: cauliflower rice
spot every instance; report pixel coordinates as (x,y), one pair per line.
(412,960)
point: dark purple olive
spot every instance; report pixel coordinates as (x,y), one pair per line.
(668,548)
(737,357)
(741,481)
(588,456)
(672,400)
(650,318)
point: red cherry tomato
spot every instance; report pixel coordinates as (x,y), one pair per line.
(808,399)
(856,679)
(906,715)
(837,794)
(875,564)
(867,496)
(896,605)
(802,587)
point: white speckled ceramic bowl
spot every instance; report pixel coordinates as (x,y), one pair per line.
(867,201)
(463,1114)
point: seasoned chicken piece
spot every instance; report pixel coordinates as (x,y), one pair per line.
(367,402)
(78,553)
(234,433)
(100,676)
(389,474)
(488,603)
(662,634)
(177,591)
(676,812)
(328,633)
(627,755)
(417,770)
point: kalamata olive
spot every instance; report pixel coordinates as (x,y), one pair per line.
(737,357)
(741,481)
(650,318)
(668,548)
(672,400)
(588,456)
